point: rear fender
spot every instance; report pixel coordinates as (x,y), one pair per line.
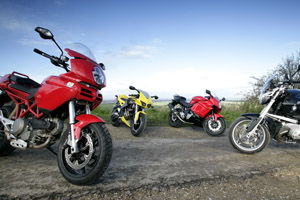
(216,116)
(83,121)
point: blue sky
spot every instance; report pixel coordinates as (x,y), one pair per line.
(164,47)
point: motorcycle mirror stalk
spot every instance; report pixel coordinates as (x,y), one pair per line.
(47,35)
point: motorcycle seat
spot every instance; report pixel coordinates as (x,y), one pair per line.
(24,81)
(26,85)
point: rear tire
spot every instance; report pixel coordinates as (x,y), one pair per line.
(237,130)
(137,129)
(95,150)
(5,147)
(214,128)
(115,120)
(173,120)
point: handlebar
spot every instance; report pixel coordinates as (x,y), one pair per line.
(54,60)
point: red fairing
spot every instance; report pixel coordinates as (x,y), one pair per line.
(83,121)
(202,106)
(197,99)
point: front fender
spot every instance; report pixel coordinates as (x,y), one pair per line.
(215,115)
(83,121)
(137,115)
(250,115)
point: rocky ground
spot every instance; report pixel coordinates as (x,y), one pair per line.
(164,163)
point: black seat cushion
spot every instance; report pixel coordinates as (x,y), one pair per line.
(25,88)
(26,85)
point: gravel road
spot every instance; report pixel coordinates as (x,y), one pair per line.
(164,163)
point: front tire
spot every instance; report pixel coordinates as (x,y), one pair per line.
(138,128)
(249,145)
(95,150)
(214,127)
(173,120)
(5,147)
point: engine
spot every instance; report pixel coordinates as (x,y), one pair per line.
(37,132)
(292,130)
(183,112)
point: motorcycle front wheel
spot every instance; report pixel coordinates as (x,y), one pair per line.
(95,150)
(214,127)
(245,142)
(138,128)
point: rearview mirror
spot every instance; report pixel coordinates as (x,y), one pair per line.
(44,33)
(208,92)
(131,88)
(223,99)
(155,97)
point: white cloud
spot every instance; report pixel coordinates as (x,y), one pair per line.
(186,81)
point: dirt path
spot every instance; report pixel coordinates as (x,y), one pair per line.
(163,163)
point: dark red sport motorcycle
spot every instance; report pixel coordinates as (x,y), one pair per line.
(202,111)
(33,115)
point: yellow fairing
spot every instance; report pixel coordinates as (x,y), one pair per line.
(125,121)
(122,98)
(143,101)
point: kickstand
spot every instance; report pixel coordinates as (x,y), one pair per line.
(51,150)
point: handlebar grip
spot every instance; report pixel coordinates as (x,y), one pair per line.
(38,51)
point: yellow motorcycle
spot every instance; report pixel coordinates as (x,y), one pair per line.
(131,110)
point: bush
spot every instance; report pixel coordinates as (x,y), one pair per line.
(158,115)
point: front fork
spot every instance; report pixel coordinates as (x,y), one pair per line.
(72,115)
(251,130)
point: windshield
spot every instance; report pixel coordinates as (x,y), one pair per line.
(268,84)
(145,94)
(82,49)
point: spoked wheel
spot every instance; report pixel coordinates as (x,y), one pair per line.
(173,120)
(5,147)
(248,142)
(95,149)
(115,120)
(214,127)
(138,128)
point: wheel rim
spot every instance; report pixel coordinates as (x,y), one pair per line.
(138,124)
(214,125)
(245,141)
(174,117)
(84,161)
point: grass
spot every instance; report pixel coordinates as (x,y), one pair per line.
(158,116)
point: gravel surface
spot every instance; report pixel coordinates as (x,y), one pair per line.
(164,163)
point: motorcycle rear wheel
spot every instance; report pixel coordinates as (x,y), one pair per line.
(214,127)
(173,120)
(237,137)
(115,120)
(95,150)
(138,128)
(5,147)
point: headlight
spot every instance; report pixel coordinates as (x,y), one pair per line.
(99,76)
(265,98)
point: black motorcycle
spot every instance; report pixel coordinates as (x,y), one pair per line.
(279,119)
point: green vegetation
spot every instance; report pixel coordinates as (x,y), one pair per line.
(158,116)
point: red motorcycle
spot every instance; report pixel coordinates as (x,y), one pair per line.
(203,111)
(33,115)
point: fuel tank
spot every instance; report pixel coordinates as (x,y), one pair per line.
(291,104)
(293,97)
